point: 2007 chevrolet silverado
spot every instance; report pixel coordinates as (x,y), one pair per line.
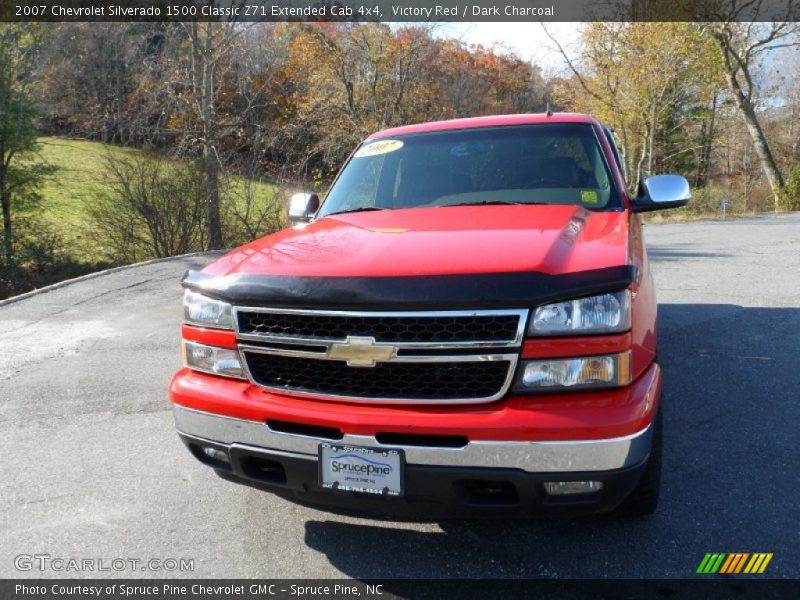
(465,326)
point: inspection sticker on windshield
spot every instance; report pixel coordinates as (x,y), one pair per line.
(379,147)
(589,196)
(359,469)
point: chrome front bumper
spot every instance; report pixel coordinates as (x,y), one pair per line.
(532,457)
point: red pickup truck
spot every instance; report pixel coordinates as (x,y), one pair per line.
(465,326)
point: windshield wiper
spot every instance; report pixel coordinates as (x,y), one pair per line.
(355,210)
(495,202)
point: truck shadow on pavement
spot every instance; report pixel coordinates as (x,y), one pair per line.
(683,252)
(732,404)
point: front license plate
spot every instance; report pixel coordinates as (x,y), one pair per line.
(359,469)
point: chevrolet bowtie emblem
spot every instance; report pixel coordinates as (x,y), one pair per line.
(361,351)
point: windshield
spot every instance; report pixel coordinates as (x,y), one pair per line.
(553,163)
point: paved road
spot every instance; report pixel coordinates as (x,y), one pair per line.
(91,466)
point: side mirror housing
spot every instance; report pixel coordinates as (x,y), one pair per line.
(302,207)
(662,191)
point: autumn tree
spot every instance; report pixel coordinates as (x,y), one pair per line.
(348,80)
(743,46)
(476,80)
(208,45)
(105,81)
(649,81)
(221,77)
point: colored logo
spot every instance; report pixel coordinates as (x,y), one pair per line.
(371,467)
(734,562)
(361,351)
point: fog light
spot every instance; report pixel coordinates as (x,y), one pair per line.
(215,454)
(569,488)
(210,359)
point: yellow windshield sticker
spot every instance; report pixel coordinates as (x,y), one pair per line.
(388,229)
(379,147)
(589,196)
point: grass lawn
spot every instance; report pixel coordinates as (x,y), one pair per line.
(79,178)
(77,182)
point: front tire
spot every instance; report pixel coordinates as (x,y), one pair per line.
(643,500)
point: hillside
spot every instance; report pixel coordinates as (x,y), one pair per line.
(80,177)
(58,240)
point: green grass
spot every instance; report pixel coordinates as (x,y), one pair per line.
(79,178)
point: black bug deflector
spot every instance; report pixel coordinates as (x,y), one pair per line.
(437,292)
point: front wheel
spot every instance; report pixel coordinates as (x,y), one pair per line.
(643,500)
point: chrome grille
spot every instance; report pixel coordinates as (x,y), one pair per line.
(387,327)
(416,357)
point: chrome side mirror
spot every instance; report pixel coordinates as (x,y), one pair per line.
(302,207)
(662,191)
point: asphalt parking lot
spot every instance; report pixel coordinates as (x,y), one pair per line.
(92,468)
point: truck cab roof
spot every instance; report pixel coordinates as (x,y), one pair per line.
(487,121)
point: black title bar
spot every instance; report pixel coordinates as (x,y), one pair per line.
(389,589)
(397,10)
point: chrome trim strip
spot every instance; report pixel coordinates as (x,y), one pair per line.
(512,359)
(533,457)
(205,325)
(521,314)
(403,359)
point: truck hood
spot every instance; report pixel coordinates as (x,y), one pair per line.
(551,239)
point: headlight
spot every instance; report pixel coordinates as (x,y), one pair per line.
(606,313)
(207,312)
(611,370)
(210,359)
